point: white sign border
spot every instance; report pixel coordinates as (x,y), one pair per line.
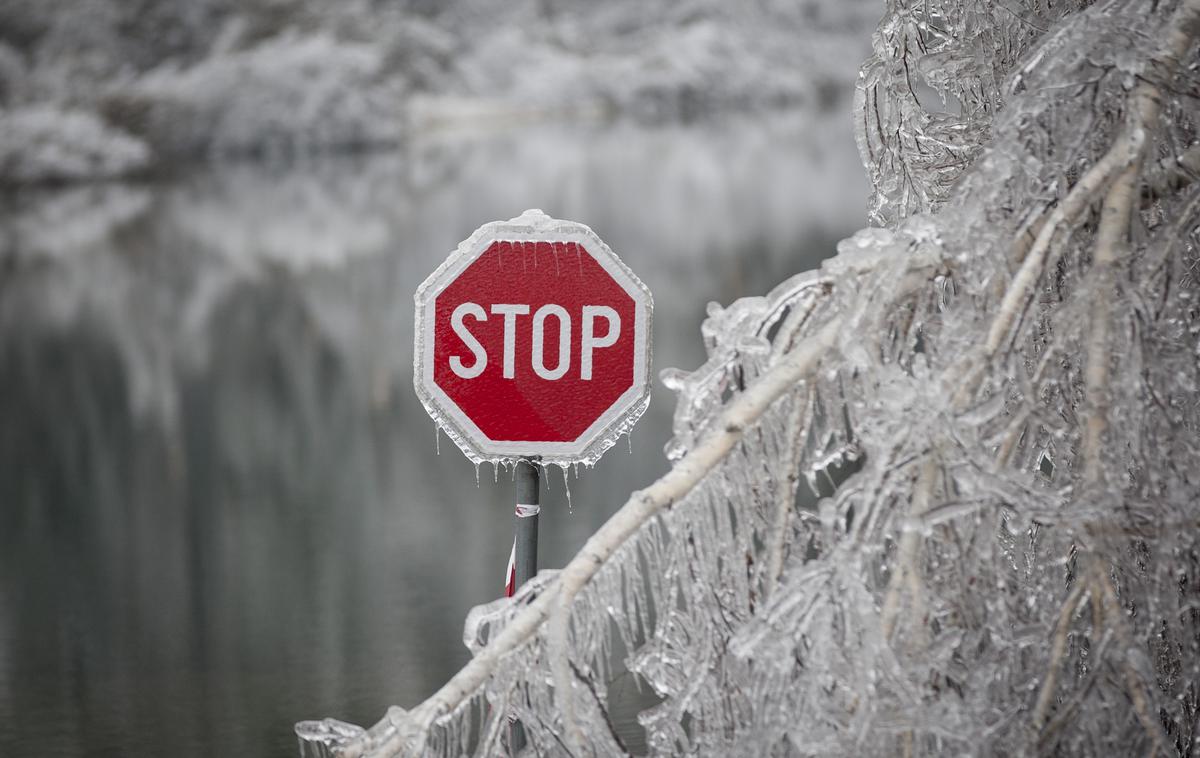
(532,226)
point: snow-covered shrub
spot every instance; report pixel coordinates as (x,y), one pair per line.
(288,94)
(997,400)
(261,76)
(41,143)
(653,61)
(71,221)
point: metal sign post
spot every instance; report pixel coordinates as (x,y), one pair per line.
(525,544)
(525,536)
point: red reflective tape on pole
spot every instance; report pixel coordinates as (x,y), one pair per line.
(523,510)
(510,574)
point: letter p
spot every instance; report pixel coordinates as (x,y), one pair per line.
(590,341)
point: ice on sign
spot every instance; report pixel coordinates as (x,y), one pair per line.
(533,338)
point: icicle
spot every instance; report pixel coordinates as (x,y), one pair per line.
(567,489)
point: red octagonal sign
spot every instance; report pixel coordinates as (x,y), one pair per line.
(533,339)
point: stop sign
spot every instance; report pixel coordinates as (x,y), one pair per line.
(533,339)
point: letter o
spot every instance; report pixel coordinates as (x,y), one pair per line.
(564,341)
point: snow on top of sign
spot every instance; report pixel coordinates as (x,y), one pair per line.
(530,225)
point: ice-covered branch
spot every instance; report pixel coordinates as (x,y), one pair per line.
(1112,238)
(1123,159)
(1058,648)
(905,571)
(391,739)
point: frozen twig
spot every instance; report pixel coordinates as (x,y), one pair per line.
(1058,648)
(1066,711)
(1169,175)
(1123,152)
(906,571)
(1114,616)
(785,498)
(1110,241)
(1016,298)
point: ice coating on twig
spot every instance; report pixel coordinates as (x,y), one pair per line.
(324,738)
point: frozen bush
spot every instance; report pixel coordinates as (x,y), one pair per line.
(289,94)
(42,143)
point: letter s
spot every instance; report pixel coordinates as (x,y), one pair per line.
(456,323)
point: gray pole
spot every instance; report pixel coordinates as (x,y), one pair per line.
(526,540)
(527,526)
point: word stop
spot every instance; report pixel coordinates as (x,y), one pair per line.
(589,341)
